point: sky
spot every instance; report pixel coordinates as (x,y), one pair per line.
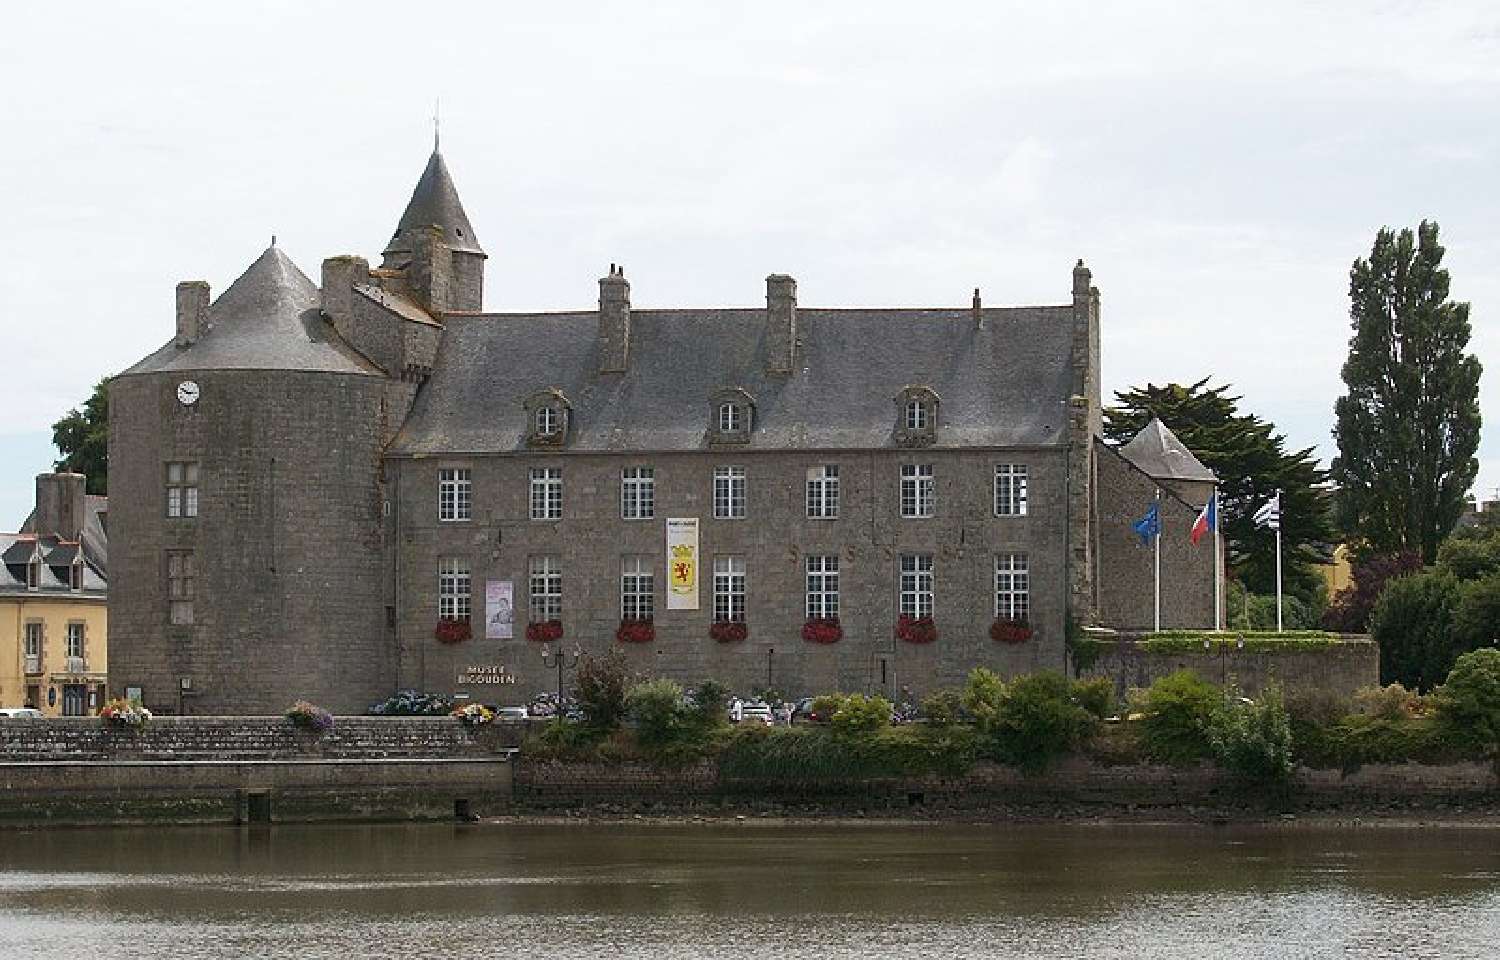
(1217,165)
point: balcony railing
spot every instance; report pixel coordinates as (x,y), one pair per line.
(77,665)
(33,664)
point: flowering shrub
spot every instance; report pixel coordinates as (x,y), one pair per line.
(727,631)
(411,703)
(916,629)
(822,631)
(120,712)
(636,631)
(450,630)
(308,716)
(1010,631)
(473,714)
(544,631)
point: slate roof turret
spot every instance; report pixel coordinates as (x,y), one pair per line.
(435,203)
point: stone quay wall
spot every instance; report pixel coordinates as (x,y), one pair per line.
(1341,667)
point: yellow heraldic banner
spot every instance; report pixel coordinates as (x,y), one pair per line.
(682,563)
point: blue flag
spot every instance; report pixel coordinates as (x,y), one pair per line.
(1149,526)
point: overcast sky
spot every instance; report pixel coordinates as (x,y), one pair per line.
(1217,165)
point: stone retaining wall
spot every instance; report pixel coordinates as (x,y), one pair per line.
(1341,667)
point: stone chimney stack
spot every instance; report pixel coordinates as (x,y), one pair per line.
(781,324)
(614,321)
(192,311)
(61,505)
(430,274)
(1085,359)
(978,308)
(340,274)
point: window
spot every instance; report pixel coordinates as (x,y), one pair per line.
(547,417)
(637,493)
(823,492)
(74,640)
(453,493)
(916,415)
(182,489)
(548,421)
(453,588)
(916,585)
(546,589)
(730,418)
(34,647)
(1010,490)
(822,587)
(34,574)
(729,589)
(731,415)
(1012,587)
(75,574)
(181,585)
(729,493)
(637,588)
(916,490)
(546,493)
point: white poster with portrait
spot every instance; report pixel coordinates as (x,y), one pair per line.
(499,610)
(682,563)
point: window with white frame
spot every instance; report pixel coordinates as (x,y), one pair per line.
(637,493)
(547,420)
(822,587)
(916,585)
(729,589)
(916,489)
(546,589)
(729,493)
(546,493)
(34,574)
(917,415)
(453,493)
(34,646)
(1010,490)
(182,489)
(637,588)
(823,492)
(182,585)
(73,640)
(453,588)
(75,574)
(731,417)
(1012,587)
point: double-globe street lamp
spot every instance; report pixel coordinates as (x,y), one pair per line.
(560,659)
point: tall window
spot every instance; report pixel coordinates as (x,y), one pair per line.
(181,585)
(637,588)
(546,589)
(916,584)
(1010,490)
(453,588)
(1012,587)
(731,418)
(74,640)
(729,493)
(822,587)
(34,575)
(637,493)
(729,588)
(916,415)
(546,493)
(33,647)
(453,493)
(182,489)
(916,490)
(75,573)
(548,421)
(823,492)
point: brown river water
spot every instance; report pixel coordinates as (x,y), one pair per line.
(752,889)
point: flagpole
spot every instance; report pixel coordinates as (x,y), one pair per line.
(1278,561)
(1218,598)
(1157,564)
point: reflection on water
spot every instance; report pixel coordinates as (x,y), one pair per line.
(622,891)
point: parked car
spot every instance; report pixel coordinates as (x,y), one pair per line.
(804,713)
(20,713)
(757,711)
(510,713)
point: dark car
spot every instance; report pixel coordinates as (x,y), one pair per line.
(804,712)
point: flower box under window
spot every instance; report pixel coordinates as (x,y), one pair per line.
(822,631)
(916,629)
(636,631)
(1010,631)
(450,630)
(728,631)
(544,631)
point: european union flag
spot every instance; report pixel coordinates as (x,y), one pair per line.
(1149,526)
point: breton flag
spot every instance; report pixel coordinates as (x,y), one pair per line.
(1208,519)
(1149,526)
(1269,515)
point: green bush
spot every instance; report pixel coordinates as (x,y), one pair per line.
(657,708)
(982,695)
(1314,716)
(1413,621)
(813,755)
(1390,702)
(710,700)
(1096,695)
(1253,739)
(1468,704)
(943,708)
(599,686)
(858,714)
(1036,722)
(1179,708)
(1476,619)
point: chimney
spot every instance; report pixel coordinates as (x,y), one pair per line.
(340,274)
(192,311)
(60,504)
(431,271)
(978,311)
(1082,281)
(614,321)
(781,323)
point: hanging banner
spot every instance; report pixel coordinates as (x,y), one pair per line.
(682,563)
(499,610)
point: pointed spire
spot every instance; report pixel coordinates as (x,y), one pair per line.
(435,203)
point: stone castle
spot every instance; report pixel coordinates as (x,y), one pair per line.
(330,491)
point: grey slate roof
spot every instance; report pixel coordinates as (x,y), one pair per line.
(1161,456)
(55,574)
(1004,385)
(268,319)
(95,537)
(435,202)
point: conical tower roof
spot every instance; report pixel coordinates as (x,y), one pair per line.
(1161,456)
(435,203)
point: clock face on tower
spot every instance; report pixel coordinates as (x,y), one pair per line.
(187,393)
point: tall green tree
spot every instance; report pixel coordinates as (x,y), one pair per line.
(1251,461)
(82,437)
(1408,428)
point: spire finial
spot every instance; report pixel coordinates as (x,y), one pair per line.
(437,106)
(273,239)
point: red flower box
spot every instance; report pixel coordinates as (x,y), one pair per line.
(544,631)
(916,629)
(636,631)
(728,631)
(452,631)
(1010,631)
(822,631)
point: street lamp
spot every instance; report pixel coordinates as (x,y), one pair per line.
(560,659)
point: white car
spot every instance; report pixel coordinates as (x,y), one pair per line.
(20,713)
(757,712)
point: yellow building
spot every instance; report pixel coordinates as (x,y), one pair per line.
(53,626)
(1337,572)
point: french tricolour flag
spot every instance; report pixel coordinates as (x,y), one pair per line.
(1208,518)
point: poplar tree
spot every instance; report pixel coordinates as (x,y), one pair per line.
(1408,428)
(82,437)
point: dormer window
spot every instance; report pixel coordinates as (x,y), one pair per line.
(34,574)
(916,416)
(548,416)
(547,421)
(75,575)
(732,416)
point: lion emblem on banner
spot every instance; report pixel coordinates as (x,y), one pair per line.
(684,569)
